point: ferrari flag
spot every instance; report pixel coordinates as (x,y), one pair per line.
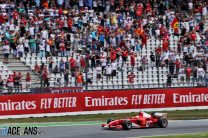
(174,25)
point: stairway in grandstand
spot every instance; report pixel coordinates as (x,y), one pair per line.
(16,66)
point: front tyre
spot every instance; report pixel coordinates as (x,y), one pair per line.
(109,120)
(162,122)
(127,125)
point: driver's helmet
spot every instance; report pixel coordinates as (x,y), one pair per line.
(140,113)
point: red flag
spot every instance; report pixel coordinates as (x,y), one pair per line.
(174,25)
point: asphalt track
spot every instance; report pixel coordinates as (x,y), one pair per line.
(93,130)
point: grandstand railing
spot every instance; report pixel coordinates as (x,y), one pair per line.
(35,90)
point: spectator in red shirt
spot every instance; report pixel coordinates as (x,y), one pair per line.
(37,68)
(144,40)
(60,11)
(113,55)
(193,36)
(72,62)
(1,19)
(14,74)
(23,21)
(178,66)
(139,10)
(118,53)
(133,60)
(188,73)
(124,56)
(148,9)
(45,79)
(131,77)
(70,23)
(10,84)
(158,50)
(15,15)
(82,63)
(100,29)
(28,80)
(165,46)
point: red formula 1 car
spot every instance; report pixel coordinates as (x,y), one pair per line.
(142,120)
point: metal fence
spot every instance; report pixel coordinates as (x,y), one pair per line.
(37,90)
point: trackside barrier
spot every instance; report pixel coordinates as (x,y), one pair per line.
(39,105)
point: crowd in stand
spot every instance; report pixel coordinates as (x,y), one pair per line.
(120,28)
(14,82)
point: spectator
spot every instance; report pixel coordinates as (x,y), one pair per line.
(33,45)
(124,56)
(10,84)
(72,62)
(181,74)
(158,61)
(200,74)
(188,73)
(103,64)
(63,48)
(152,59)
(195,74)
(171,67)
(79,79)
(144,62)
(20,51)
(66,78)
(108,72)
(25,46)
(131,77)
(114,68)
(37,69)
(62,66)
(50,65)
(28,80)
(93,58)
(45,79)
(178,66)
(169,80)
(56,70)
(133,60)
(17,83)
(50,42)
(67,67)
(89,78)
(99,72)
(42,48)
(6,51)
(83,63)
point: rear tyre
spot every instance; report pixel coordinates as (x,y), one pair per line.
(162,122)
(109,120)
(127,124)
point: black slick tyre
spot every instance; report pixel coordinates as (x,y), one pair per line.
(127,125)
(109,120)
(162,122)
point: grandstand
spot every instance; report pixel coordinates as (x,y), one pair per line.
(150,77)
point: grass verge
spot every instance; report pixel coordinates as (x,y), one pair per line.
(195,135)
(172,115)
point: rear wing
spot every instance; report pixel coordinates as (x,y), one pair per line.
(164,115)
